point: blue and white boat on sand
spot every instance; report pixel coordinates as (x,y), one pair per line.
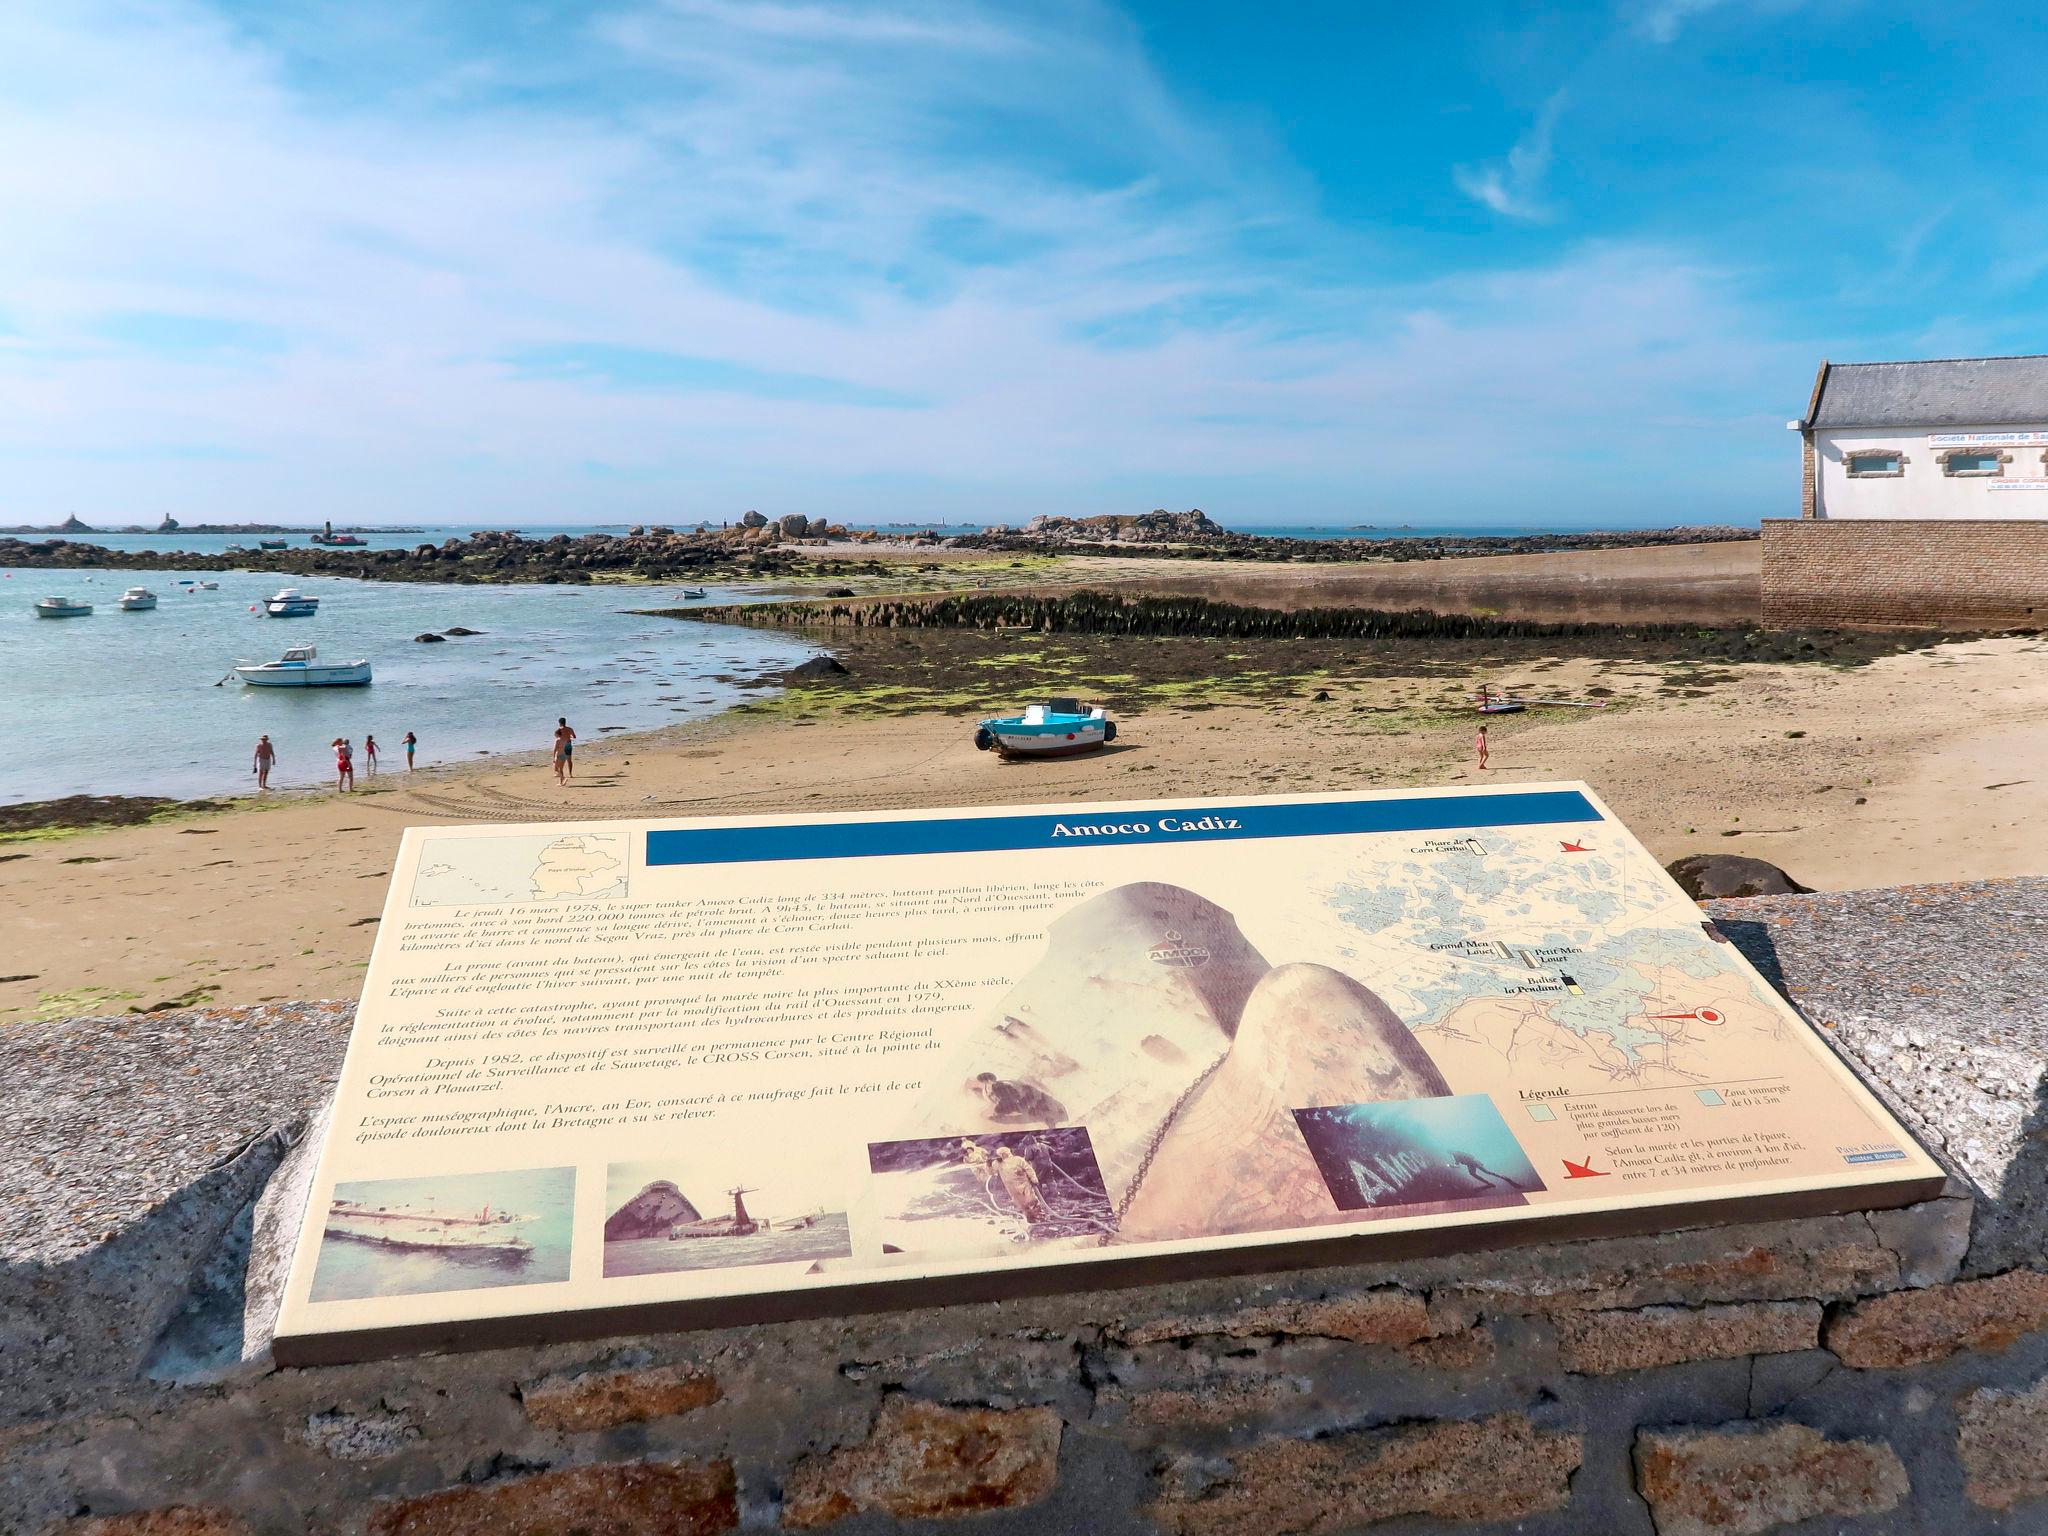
(302,668)
(1055,728)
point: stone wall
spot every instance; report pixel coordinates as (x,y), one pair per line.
(1882,1372)
(1821,572)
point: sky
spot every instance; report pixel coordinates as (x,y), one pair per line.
(520,260)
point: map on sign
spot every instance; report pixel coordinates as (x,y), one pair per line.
(1512,954)
(465,872)
(647,1075)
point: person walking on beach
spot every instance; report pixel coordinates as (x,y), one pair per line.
(370,753)
(411,744)
(1481,745)
(344,766)
(266,754)
(565,750)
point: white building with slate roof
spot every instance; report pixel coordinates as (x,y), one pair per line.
(1959,437)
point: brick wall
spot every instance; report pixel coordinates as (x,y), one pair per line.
(1874,573)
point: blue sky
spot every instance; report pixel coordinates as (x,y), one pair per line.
(670,259)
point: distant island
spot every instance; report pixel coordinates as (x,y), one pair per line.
(172,525)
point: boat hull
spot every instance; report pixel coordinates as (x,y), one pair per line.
(291,610)
(64,613)
(429,1237)
(137,604)
(305,677)
(1071,743)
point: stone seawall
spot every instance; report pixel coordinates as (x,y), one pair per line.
(1881,1372)
(1886,573)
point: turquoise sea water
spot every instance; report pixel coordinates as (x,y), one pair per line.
(125,703)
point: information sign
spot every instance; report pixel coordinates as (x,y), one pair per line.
(613,1076)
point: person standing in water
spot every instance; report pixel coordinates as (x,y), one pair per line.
(1020,1178)
(1481,745)
(344,767)
(411,744)
(266,754)
(565,750)
(370,753)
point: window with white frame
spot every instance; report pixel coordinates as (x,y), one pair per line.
(1875,464)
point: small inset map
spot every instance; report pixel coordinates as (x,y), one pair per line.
(481,871)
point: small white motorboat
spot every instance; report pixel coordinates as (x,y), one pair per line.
(61,608)
(301,667)
(137,600)
(1056,728)
(289,603)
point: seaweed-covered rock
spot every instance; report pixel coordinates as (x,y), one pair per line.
(817,669)
(457,629)
(1706,876)
(430,638)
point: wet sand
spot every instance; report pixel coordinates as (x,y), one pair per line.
(1717,584)
(1914,767)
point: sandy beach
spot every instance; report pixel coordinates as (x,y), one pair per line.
(1915,767)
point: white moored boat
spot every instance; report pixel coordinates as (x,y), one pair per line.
(486,1231)
(137,600)
(302,668)
(291,603)
(61,608)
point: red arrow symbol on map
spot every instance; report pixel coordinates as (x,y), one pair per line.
(1704,1015)
(1584,1170)
(1574,847)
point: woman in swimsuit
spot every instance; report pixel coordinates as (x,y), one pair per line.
(370,753)
(344,767)
(411,741)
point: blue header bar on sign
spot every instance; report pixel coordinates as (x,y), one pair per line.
(1083,829)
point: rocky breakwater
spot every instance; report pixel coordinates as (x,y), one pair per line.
(748,550)
(1092,612)
(1193,535)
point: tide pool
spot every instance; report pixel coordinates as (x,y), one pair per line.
(125,703)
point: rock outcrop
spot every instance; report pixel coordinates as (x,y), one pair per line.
(1718,876)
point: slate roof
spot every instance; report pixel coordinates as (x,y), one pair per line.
(1941,392)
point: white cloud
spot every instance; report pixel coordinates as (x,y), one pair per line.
(1661,21)
(1515,189)
(846,208)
